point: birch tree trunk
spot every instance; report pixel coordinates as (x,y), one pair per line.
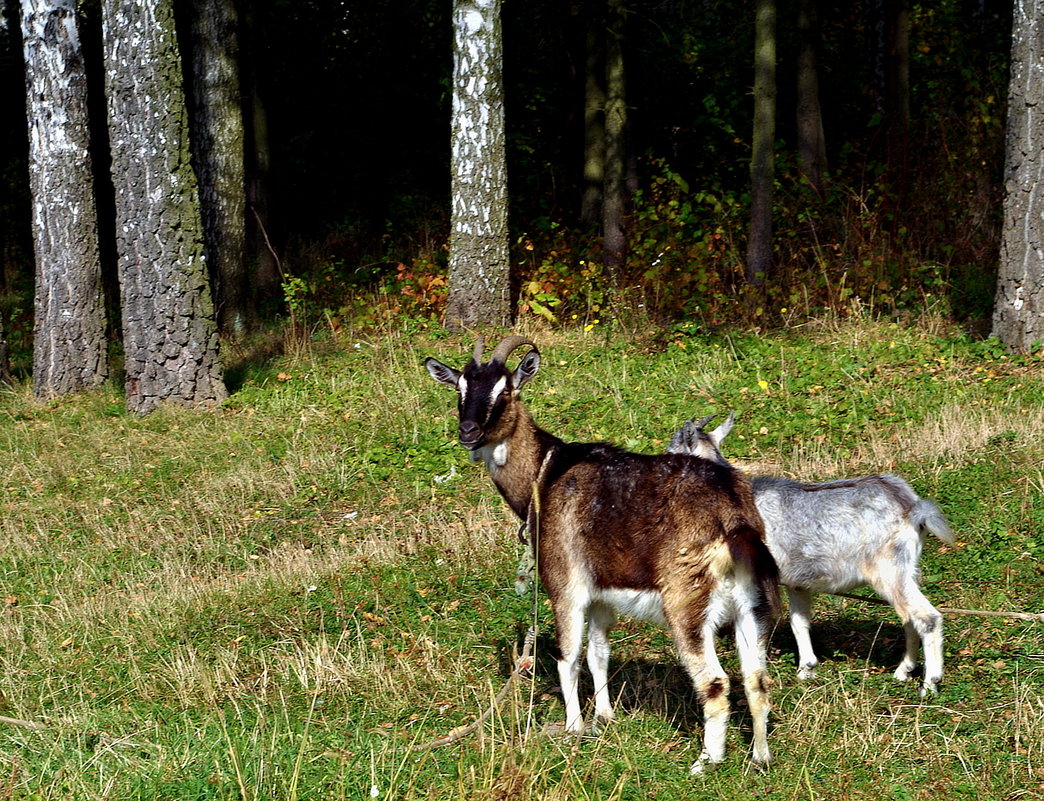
(1018,311)
(69,344)
(614,201)
(218,148)
(759,245)
(169,332)
(479,269)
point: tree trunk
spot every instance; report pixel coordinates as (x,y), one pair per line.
(811,141)
(614,201)
(5,357)
(69,343)
(759,245)
(1018,313)
(266,278)
(897,95)
(479,268)
(594,122)
(169,331)
(218,150)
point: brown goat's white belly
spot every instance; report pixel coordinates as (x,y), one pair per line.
(642,604)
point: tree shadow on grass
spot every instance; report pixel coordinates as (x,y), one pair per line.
(251,362)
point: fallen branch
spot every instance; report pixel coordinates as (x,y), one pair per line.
(27,724)
(1036,616)
(522,664)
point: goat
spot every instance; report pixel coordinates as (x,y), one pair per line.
(835,536)
(668,538)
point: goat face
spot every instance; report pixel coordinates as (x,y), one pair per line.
(692,439)
(486,393)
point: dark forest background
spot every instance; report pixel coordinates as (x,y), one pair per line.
(357,102)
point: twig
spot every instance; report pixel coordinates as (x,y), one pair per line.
(268,243)
(521,666)
(28,724)
(1036,616)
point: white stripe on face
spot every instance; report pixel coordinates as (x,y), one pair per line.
(462,386)
(497,389)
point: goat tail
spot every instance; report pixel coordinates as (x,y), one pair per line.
(926,516)
(750,553)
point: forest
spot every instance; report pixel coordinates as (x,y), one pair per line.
(243,554)
(355,100)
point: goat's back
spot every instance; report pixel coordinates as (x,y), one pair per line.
(631,517)
(829,536)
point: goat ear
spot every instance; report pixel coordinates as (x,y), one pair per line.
(722,431)
(527,368)
(441,373)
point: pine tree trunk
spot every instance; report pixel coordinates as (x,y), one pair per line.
(267,278)
(897,95)
(594,123)
(811,140)
(169,331)
(614,201)
(218,148)
(1018,313)
(759,245)
(479,269)
(69,344)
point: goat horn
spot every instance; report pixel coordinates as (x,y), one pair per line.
(705,420)
(508,344)
(479,347)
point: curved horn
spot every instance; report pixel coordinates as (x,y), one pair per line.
(479,347)
(506,345)
(705,420)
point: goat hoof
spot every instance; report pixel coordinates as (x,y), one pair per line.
(600,723)
(703,765)
(806,672)
(562,730)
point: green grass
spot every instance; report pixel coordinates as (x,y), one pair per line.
(280,599)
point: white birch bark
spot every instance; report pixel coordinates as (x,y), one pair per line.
(1018,312)
(69,344)
(479,268)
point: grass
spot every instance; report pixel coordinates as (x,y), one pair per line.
(282,598)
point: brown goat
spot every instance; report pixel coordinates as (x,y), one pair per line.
(670,538)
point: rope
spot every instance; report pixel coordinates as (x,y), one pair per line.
(525,661)
(1035,616)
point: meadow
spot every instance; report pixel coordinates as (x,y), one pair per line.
(285,597)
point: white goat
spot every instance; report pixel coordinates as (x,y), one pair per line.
(837,535)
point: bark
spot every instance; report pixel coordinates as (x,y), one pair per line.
(479,269)
(811,140)
(69,343)
(759,245)
(218,150)
(5,358)
(614,201)
(594,124)
(1018,313)
(897,93)
(169,331)
(266,274)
